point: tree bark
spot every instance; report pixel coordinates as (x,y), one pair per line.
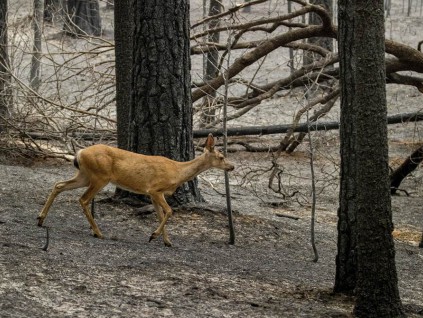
(161,110)
(124,28)
(365,262)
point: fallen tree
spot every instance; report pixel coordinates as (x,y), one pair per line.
(280,129)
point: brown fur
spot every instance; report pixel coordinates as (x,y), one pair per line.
(154,176)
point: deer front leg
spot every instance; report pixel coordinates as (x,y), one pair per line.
(160,200)
(77,182)
(160,215)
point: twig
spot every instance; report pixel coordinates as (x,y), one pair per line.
(313,193)
(45,247)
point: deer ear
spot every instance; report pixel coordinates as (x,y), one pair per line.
(210,142)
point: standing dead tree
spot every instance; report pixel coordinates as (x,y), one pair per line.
(78,81)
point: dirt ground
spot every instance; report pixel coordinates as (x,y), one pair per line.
(269,271)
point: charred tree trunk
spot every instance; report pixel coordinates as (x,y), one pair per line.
(124,28)
(365,263)
(161,110)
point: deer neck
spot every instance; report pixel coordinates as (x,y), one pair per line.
(190,169)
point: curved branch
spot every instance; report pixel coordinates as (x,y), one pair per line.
(263,49)
(406,55)
(249,25)
(307,8)
(405,80)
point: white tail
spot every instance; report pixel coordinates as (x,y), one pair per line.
(154,176)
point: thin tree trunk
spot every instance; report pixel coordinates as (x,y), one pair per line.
(35,75)
(4,67)
(208,113)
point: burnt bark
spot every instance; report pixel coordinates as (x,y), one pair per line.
(161,109)
(365,263)
(124,28)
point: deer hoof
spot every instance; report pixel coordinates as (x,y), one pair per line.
(40,221)
(99,235)
(168,244)
(153,236)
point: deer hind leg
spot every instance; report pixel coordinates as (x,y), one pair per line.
(160,215)
(85,200)
(79,181)
(160,200)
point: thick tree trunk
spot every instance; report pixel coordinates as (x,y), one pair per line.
(366,255)
(124,28)
(161,110)
(83,18)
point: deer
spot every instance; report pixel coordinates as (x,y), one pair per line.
(154,176)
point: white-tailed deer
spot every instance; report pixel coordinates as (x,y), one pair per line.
(154,176)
